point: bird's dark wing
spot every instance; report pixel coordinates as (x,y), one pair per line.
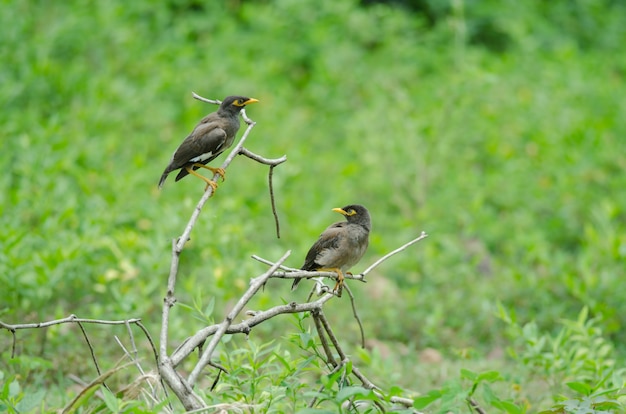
(205,143)
(329,239)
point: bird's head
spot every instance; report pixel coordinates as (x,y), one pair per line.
(236,103)
(357,214)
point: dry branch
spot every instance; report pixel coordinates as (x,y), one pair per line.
(255,285)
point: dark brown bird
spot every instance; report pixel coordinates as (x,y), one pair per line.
(341,245)
(213,135)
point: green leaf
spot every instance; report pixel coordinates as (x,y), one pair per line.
(426,399)
(579,387)
(507,406)
(30,401)
(208,310)
(348,367)
(348,392)
(14,388)
(306,340)
(467,374)
(111,401)
(489,395)
(489,376)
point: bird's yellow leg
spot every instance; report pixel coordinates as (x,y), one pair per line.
(219,171)
(208,182)
(339,285)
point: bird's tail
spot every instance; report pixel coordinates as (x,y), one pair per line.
(295,284)
(162,180)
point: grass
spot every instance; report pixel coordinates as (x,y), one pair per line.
(511,159)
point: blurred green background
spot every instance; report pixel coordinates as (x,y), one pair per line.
(497,127)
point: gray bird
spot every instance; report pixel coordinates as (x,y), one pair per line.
(213,135)
(341,245)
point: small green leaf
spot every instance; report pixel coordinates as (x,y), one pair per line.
(579,387)
(467,374)
(30,401)
(348,392)
(426,399)
(489,376)
(348,367)
(208,310)
(14,388)
(305,339)
(111,401)
(507,406)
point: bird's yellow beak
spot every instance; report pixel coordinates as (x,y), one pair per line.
(345,213)
(251,101)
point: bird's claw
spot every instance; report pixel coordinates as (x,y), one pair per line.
(219,171)
(211,184)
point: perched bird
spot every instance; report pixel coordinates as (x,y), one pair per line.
(341,245)
(213,135)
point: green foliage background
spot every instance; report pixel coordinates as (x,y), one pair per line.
(495,126)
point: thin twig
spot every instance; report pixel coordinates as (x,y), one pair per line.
(356,315)
(13,344)
(331,335)
(69,319)
(132,339)
(156,358)
(388,255)
(330,358)
(473,404)
(135,360)
(211,101)
(255,286)
(272,163)
(267,262)
(271,186)
(93,353)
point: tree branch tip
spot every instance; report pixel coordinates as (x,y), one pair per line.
(203,99)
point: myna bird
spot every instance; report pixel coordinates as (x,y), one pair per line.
(213,135)
(341,245)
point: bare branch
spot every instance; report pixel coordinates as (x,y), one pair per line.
(267,262)
(472,403)
(70,319)
(255,286)
(246,326)
(272,199)
(260,159)
(356,315)
(272,163)
(388,255)
(330,358)
(211,101)
(156,358)
(93,354)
